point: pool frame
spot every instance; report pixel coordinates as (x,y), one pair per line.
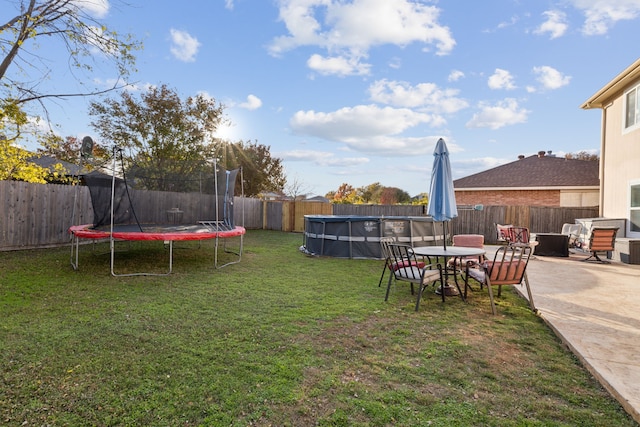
(358,236)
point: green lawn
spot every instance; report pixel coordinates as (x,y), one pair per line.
(279,339)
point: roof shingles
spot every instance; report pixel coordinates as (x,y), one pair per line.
(535,171)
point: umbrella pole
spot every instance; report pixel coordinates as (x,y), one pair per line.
(444,231)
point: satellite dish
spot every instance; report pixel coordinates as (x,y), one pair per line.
(87,147)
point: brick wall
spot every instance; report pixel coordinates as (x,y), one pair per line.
(509,198)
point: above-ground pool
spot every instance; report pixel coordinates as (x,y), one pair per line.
(355,236)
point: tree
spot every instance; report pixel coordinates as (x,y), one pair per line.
(394,196)
(165,137)
(170,140)
(68,149)
(370,193)
(582,155)
(262,172)
(295,188)
(346,194)
(15,165)
(37,23)
(76,27)
(420,199)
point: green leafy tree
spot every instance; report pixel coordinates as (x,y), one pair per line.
(394,196)
(420,199)
(167,139)
(262,172)
(370,194)
(24,64)
(68,149)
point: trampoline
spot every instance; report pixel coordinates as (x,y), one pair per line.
(124,213)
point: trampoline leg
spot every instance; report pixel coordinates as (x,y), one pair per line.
(74,252)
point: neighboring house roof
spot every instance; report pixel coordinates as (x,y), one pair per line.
(534,172)
(318,199)
(49,162)
(601,98)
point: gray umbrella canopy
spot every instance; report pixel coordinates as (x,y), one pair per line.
(442,198)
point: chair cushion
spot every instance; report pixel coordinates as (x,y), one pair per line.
(408,273)
(511,274)
(499,274)
(477,273)
(413,274)
(406,263)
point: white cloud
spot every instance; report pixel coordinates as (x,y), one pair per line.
(361,121)
(600,15)
(455,75)
(555,25)
(367,128)
(95,8)
(501,79)
(252,103)
(184,46)
(338,65)
(550,78)
(322,158)
(228,4)
(350,29)
(129,87)
(427,96)
(504,113)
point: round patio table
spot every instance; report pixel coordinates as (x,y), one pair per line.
(450,252)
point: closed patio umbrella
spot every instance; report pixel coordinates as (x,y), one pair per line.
(442,198)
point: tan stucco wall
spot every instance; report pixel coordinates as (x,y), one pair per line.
(580,199)
(621,162)
(557,198)
(509,197)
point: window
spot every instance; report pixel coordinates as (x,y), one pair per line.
(634,208)
(632,109)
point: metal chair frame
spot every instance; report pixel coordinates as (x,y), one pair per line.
(509,267)
(602,239)
(406,267)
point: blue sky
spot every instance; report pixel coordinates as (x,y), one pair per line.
(360,91)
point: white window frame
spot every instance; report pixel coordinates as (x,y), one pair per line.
(636,124)
(635,183)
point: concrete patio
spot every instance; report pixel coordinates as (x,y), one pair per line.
(595,310)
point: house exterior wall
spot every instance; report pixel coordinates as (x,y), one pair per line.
(621,155)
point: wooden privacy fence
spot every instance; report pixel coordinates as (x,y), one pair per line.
(536,219)
(37,215)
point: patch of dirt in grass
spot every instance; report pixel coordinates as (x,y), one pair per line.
(353,358)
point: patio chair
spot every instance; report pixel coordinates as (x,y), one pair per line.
(389,263)
(502,233)
(384,242)
(518,235)
(507,268)
(407,268)
(573,231)
(603,239)
(467,241)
